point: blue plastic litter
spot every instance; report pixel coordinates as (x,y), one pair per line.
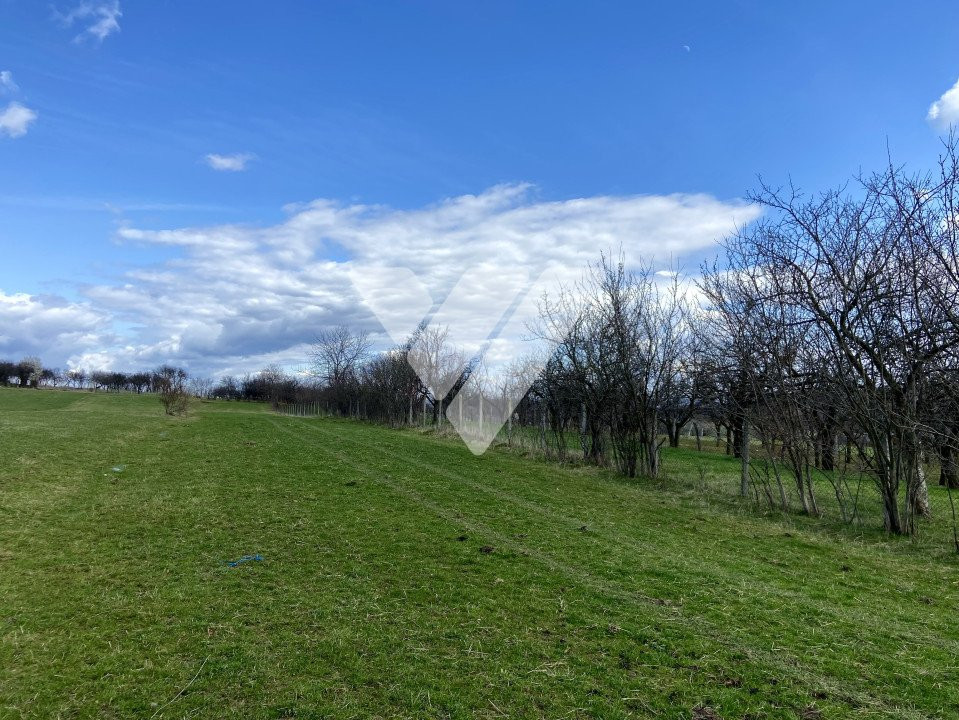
(246,558)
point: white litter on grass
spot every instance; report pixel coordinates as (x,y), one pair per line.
(119,468)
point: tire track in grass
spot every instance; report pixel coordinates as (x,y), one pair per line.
(570,521)
(907,634)
(457,519)
(610,536)
(904,631)
(787,665)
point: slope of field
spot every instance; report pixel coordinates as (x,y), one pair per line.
(399,576)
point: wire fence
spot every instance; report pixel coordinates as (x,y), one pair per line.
(304,409)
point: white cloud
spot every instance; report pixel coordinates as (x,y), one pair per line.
(49,326)
(6,82)
(944,112)
(239,297)
(99,19)
(15,119)
(230,163)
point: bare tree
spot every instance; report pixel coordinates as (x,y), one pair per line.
(139,382)
(200,387)
(170,383)
(443,368)
(620,336)
(336,356)
(77,377)
(387,388)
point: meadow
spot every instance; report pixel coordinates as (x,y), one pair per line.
(239,563)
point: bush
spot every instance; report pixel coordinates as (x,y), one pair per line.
(170,384)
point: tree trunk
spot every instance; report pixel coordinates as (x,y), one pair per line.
(826,450)
(674,430)
(890,514)
(744,455)
(920,502)
(740,436)
(583,442)
(948,468)
(654,458)
(542,424)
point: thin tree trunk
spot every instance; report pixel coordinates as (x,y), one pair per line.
(583,443)
(890,510)
(744,455)
(948,470)
(674,430)
(921,495)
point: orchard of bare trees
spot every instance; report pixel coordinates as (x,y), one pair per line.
(822,343)
(835,317)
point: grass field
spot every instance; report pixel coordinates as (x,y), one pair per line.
(403,577)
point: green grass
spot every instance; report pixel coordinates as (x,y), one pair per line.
(711,475)
(600,597)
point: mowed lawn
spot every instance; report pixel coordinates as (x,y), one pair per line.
(401,577)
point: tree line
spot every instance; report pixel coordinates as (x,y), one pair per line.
(271,384)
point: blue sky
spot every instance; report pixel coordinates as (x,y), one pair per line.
(399,108)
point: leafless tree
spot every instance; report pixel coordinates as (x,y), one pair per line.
(336,356)
(388,388)
(77,377)
(337,353)
(200,387)
(620,336)
(170,383)
(442,367)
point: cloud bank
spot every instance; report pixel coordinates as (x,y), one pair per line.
(237,297)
